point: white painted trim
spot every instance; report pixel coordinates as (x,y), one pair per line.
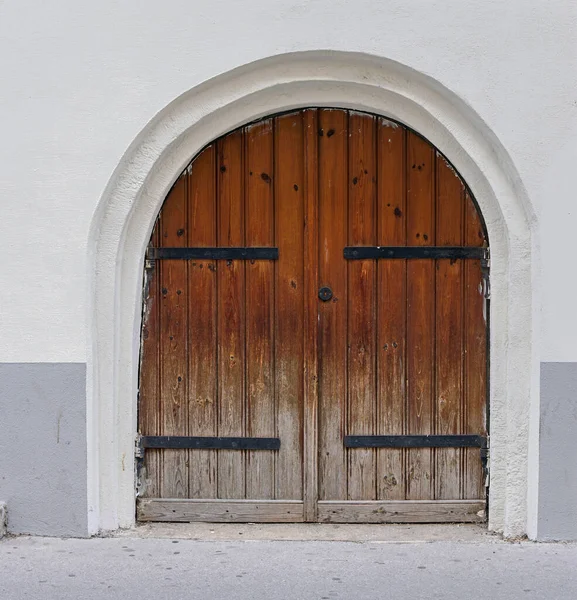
(123,222)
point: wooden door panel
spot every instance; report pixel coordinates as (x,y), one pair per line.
(259,141)
(231,315)
(310,322)
(420,314)
(361,342)
(149,405)
(333,217)
(202,324)
(247,348)
(391,325)
(174,345)
(289,303)
(475,367)
(450,199)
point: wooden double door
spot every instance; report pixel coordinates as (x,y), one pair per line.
(314,331)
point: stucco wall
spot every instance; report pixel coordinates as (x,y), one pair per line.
(81,81)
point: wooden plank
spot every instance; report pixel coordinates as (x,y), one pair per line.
(310,425)
(333,215)
(475,354)
(220,511)
(450,195)
(231,315)
(361,306)
(289,302)
(405,511)
(259,307)
(420,312)
(202,399)
(174,341)
(148,394)
(391,309)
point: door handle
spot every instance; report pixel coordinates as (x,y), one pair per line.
(325,293)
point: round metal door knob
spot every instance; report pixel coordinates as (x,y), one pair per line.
(325,294)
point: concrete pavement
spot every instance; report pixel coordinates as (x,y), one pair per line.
(246,562)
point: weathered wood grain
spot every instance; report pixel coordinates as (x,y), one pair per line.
(231,315)
(406,511)
(391,309)
(220,511)
(202,326)
(476,365)
(174,342)
(149,388)
(361,306)
(310,324)
(420,313)
(259,217)
(450,196)
(289,300)
(333,226)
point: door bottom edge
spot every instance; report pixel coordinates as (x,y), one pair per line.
(292,511)
(402,511)
(219,511)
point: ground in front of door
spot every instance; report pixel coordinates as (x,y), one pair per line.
(293,562)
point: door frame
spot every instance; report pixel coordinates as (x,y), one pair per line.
(126,213)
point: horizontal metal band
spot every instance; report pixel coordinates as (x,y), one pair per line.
(415,441)
(213,253)
(212,443)
(455,252)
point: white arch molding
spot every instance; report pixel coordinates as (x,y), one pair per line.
(126,213)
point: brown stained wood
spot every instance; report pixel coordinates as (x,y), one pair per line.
(391,309)
(231,315)
(149,408)
(259,217)
(333,217)
(449,331)
(420,313)
(310,425)
(361,360)
(247,348)
(220,511)
(174,343)
(202,398)
(289,180)
(407,511)
(475,355)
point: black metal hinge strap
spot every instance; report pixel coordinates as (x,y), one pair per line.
(485,458)
(415,441)
(408,252)
(212,253)
(213,443)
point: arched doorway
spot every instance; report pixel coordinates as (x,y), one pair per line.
(314,331)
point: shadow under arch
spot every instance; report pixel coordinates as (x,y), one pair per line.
(125,215)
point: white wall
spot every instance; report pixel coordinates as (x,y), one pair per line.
(80,80)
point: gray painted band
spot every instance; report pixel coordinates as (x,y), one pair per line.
(43,447)
(558,452)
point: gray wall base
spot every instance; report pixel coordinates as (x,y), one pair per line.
(43,447)
(558,453)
